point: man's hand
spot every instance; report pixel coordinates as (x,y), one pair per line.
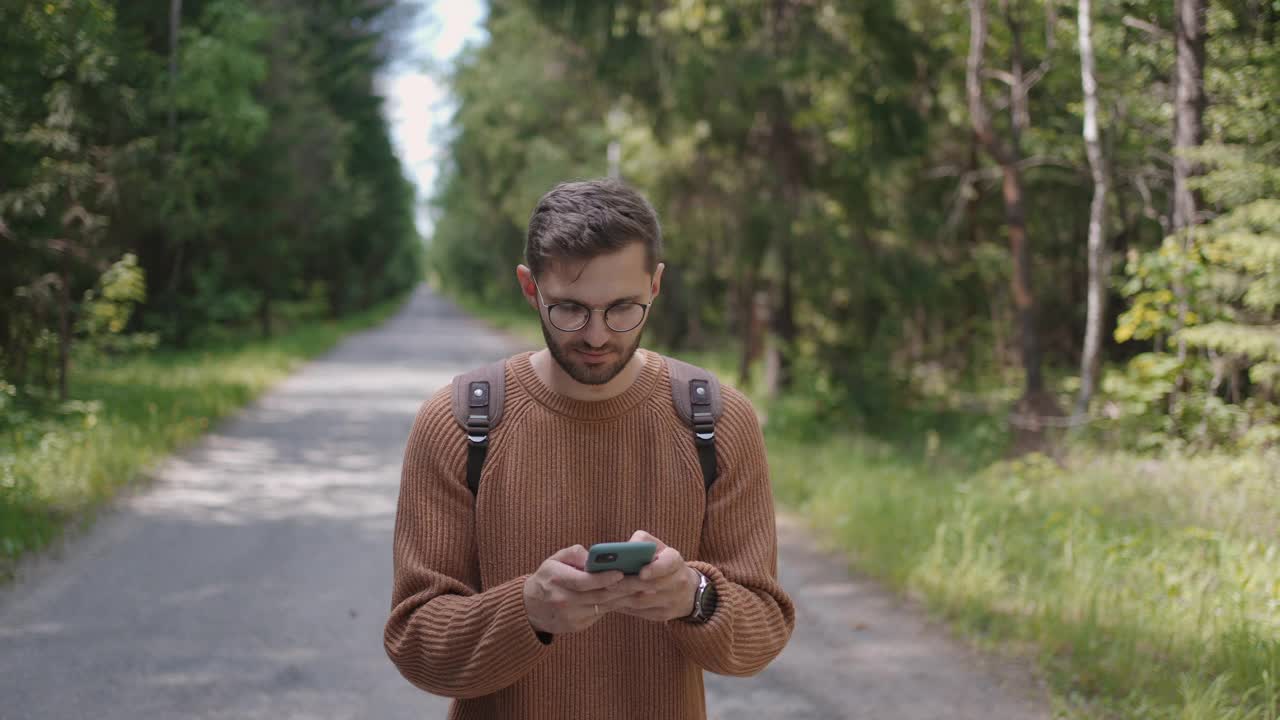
(663,590)
(561,597)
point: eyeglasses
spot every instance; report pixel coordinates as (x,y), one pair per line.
(571,316)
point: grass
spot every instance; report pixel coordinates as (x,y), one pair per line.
(62,464)
(1147,588)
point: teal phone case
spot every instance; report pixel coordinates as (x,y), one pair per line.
(629,557)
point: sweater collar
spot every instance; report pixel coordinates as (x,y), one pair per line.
(617,405)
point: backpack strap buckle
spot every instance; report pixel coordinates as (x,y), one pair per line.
(703,421)
(704,428)
(478,413)
(477,407)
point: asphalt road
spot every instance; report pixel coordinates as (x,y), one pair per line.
(252,578)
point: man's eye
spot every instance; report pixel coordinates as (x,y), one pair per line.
(567,312)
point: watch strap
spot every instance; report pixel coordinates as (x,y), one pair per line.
(709,601)
(704,592)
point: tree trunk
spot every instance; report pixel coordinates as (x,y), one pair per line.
(1188,130)
(789,161)
(756,311)
(175,27)
(1008,157)
(264,315)
(1188,107)
(784,325)
(1023,298)
(1099,257)
(64,328)
(744,298)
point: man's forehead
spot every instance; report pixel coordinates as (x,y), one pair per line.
(596,289)
(597,279)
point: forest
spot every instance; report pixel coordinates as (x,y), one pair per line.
(195,196)
(1001,276)
(885,197)
(171,171)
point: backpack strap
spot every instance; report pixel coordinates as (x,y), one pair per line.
(696,395)
(477,407)
(478,396)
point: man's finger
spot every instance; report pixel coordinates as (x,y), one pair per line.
(580,581)
(644,602)
(630,585)
(666,562)
(642,536)
(627,604)
(573,556)
(603,596)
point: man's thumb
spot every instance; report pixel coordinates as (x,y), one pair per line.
(575,556)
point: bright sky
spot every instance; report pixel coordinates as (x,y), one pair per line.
(418,103)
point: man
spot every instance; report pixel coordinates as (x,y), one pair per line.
(491,603)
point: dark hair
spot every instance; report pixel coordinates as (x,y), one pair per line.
(584,219)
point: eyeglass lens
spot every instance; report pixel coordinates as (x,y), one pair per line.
(620,318)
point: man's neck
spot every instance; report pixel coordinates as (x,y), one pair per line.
(559,381)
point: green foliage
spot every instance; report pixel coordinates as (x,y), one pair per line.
(822,159)
(262,171)
(1227,271)
(1155,311)
(1246,243)
(106,309)
(527,117)
(121,287)
(222,67)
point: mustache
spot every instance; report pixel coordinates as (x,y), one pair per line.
(588,348)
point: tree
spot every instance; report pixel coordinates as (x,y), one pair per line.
(1099,253)
(825,189)
(56,202)
(1206,298)
(266,174)
(1188,124)
(1188,107)
(1008,155)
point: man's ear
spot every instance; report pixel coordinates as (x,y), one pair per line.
(524,276)
(656,285)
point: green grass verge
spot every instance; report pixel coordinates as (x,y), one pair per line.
(58,467)
(1147,588)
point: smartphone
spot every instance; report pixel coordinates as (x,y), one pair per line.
(629,557)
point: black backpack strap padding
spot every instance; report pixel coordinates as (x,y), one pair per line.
(477,407)
(696,394)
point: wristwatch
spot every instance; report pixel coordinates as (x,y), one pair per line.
(704,601)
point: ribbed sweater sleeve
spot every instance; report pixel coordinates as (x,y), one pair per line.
(754,617)
(443,634)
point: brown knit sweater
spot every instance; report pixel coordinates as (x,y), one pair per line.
(562,472)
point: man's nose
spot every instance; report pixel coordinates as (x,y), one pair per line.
(596,333)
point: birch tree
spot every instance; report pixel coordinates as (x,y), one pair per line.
(1099,258)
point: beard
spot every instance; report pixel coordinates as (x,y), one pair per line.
(595,374)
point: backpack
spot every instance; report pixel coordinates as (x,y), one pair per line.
(477,407)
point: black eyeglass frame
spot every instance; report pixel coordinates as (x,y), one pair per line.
(591,311)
